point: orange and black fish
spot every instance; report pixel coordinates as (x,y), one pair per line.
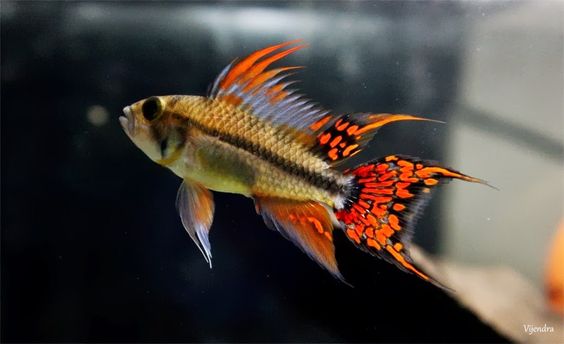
(253,136)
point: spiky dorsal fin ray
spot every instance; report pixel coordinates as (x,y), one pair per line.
(309,225)
(249,84)
(390,194)
(196,207)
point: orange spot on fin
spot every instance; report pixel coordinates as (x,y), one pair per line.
(317,125)
(349,149)
(336,141)
(324,138)
(333,154)
(398,207)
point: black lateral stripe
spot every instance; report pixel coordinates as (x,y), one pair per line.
(314,178)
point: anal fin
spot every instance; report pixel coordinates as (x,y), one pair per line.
(307,224)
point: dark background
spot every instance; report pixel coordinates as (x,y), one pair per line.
(92,247)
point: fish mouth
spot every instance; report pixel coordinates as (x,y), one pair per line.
(128,121)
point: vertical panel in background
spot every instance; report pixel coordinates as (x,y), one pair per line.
(508,130)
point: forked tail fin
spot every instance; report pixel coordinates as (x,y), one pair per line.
(388,196)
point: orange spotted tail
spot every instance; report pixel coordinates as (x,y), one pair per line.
(385,202)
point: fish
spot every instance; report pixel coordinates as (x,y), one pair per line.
(255,136)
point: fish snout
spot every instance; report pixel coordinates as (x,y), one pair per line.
(128,121)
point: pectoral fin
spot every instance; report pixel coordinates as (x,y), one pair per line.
(195,206)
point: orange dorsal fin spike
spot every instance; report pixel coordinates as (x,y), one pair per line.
(262,65)
(264,77)
(252,85)
(250,60)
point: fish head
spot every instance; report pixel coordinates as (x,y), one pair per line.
(149,125)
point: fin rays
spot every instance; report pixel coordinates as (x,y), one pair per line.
(250,85)
(307,224)
(196,207)
(390,194)
(343,137)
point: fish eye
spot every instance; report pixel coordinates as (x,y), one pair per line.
(152,108)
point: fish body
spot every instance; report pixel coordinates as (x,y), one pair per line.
(252,136)
(231,150)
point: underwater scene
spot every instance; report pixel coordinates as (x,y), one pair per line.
(297,171)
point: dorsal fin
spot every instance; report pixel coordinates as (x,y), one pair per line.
(341,138)
(250,85)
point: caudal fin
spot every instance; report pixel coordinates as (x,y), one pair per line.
(388,196)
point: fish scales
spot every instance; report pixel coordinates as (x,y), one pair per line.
(267,144)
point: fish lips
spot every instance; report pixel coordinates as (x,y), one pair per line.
(128,121)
